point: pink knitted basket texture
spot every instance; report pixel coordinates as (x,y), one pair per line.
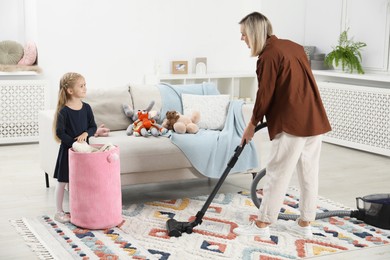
(95,195)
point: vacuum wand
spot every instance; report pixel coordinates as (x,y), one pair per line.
(176,228)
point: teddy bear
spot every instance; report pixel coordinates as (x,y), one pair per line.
(171,118)
(182,123)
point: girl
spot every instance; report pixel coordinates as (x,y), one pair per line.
(289,99)
(74,122)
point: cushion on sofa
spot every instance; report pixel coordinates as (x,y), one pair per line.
(213,109)
(10,52)
(171,94)
(142,95)
(107,106)
(29,55)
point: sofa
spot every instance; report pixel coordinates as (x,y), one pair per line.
(142,159)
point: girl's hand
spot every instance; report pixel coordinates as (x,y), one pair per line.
(248,134)
(82,138)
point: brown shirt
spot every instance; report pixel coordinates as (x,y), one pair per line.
(287,94)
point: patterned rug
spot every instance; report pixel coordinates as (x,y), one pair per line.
(143,235)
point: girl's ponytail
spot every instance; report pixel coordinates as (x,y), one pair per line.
(67,81)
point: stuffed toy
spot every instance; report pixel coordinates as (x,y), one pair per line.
(145,125)
(84,147)
(130,113)
(102,131)
(152,114)
(182,123)
(171,118)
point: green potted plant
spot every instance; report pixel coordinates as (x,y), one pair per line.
(347,53)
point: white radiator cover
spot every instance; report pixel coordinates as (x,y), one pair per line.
(359,116)
(20,102)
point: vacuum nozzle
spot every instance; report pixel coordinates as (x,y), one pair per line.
(176,228)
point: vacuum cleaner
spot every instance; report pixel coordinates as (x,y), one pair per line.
(375,210)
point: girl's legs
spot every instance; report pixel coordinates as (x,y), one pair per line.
(60,214)
(60,191)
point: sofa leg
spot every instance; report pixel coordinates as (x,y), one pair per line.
(47,180)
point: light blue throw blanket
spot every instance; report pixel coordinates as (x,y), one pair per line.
(209,151)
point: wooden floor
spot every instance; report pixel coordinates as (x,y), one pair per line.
(344,175)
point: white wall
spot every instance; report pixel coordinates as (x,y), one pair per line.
(319,23)
(367,20)
(113,43)
(12,20)
(287,18)
(321,29)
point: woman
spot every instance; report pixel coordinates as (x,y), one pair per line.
(289,99)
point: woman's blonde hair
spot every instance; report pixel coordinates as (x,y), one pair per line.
(67,81)
(257,28)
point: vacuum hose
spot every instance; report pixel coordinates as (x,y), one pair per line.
(339,213)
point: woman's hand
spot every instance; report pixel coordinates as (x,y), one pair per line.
(82,138)
(248,134)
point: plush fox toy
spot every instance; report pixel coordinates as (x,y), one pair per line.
(145,125)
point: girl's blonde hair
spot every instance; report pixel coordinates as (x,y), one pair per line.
(257,28)
(67,81)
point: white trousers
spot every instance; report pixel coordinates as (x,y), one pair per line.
(290,153)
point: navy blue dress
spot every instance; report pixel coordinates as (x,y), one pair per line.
(71,123)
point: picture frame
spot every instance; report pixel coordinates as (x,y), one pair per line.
(201,65)
(179,67)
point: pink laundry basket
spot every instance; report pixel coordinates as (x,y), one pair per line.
(95,196)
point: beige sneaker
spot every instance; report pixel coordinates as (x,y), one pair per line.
(253,230)
(301,231)
(62,217)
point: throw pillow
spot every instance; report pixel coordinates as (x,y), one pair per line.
(142,95)
(213,109)
(10,52)
(107,107)
(30,54)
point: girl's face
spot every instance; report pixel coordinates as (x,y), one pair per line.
(244,36)
(79,89)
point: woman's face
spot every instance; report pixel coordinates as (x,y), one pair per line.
(244,36)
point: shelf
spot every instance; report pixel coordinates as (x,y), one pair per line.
(369,79)
(241,85)
(206,76)
(19,73)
